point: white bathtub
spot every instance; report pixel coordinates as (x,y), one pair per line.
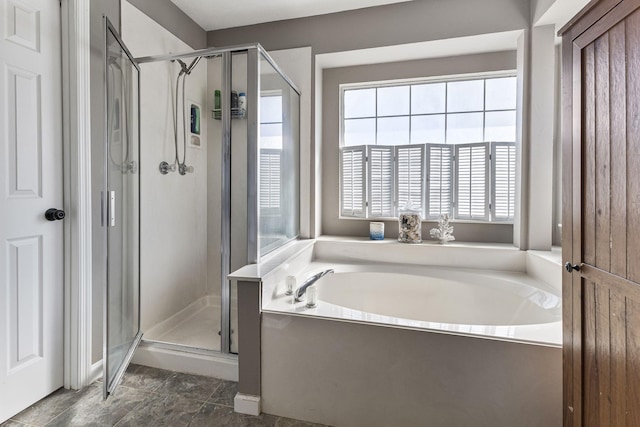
(499,305)
(409,344)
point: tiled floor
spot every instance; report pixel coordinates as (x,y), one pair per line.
(147,397)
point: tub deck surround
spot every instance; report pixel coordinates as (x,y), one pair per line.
(520,309)
(286,260)
(353,374)
(494,256)
(500,305)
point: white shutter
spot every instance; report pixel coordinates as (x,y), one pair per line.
(439,180)
(472,179)
(352,181)
(410,175)
(503,178)
(269,180)
(380,181)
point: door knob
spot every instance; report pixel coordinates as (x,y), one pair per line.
(54,214)
(570,267)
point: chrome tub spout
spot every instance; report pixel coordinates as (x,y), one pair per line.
(299,293)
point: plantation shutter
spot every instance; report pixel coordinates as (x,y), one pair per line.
(472,178)
(380,181)
(410,175)
(269,180)
(352,181)
(503,178)
(439,179)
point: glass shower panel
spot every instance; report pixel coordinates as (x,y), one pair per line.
(121,210)
(278,160)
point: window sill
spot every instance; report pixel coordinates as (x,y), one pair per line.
(452,221)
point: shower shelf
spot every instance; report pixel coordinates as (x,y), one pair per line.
(236,113)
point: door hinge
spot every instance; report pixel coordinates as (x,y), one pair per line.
(111,209)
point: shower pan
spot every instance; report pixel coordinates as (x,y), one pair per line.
(243,198)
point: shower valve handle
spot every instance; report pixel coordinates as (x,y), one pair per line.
(165,168)
(184,169)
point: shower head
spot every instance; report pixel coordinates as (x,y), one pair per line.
(187,69)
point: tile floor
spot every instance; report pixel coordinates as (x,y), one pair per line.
(147,397)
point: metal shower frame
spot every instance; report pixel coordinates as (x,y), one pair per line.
(253,51)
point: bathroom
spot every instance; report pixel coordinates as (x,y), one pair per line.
(215,262)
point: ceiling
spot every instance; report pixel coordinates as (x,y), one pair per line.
(218,14)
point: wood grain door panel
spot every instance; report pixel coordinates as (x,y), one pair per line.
(601,136)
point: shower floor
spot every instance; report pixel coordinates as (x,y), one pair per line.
(197,326)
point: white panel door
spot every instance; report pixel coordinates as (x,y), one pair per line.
(31,247)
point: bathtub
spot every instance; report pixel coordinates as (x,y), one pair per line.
(394,341)
(499,305)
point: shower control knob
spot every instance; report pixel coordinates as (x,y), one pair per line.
(570,267)
(54,214)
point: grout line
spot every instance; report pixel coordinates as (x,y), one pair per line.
(196,413)
(22,423)
(132,409)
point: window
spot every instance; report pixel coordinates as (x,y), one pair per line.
(271,142)
(447,146)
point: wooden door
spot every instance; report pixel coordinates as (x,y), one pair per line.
(31,248)
(601,215)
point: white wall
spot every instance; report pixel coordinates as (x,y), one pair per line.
(541,134)
(173,207)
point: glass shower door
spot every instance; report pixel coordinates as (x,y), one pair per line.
(121,210)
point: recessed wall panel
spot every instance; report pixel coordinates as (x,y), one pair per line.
(24,301)
(23,133)
(22,25)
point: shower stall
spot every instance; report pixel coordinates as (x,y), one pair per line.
(206,181)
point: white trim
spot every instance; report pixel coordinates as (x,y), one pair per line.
(445,78)
(189,360)
(77,190)
(95,372)
(247,404)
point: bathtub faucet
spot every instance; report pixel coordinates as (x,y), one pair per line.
(299,293)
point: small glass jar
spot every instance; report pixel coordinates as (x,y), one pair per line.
(376,230)
(409,225)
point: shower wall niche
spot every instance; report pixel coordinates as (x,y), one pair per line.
(237,195)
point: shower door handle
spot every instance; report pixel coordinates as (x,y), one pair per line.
(111,209)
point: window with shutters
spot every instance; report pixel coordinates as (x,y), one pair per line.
(447,146)
(270,158)
(352,181)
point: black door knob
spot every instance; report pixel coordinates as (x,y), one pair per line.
(54,214)
(570,267)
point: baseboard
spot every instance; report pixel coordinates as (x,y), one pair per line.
(247,404)
(96,372)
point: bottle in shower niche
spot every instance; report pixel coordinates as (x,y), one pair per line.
(235,113)
(410,224)
(217,105)
(234,100)
(242,103)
